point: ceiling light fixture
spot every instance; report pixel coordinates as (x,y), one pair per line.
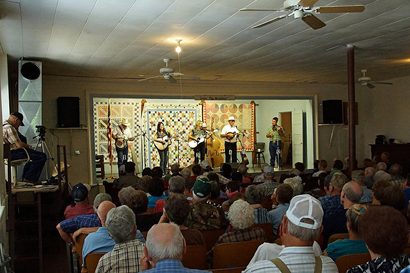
(178,49)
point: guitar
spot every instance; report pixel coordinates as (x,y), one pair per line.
(162,143)
(194,143)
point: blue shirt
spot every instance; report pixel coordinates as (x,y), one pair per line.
(334,216)
(73,224)
(275,216)
(99,241)
(173,266)
(345,247)
(153,199)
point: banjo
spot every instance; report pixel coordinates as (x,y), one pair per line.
(194,143)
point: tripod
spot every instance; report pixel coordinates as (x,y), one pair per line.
(41,146)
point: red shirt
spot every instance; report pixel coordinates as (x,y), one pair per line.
(78,209)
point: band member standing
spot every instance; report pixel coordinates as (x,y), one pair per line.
(19,149)
(122,134)
(163,137)
(275,134)
(230,133)
(198,137)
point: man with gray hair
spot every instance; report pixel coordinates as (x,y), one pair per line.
(351,194)
(301,226)
(176,186)
(125,256)
(359,177)
(164,250)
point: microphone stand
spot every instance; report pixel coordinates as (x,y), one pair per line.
(143,139)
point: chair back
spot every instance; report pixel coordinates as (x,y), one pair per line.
(236,254)
(211,236)
(260,146)
(79,242)
(268,228)
(229,270)
(346,262)
(195,257)
(91,262)
(337,236)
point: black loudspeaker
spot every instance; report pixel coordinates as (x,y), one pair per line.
(332,111)
(68,112)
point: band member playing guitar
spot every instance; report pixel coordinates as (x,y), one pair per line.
(162,141)
(122,134)
(230,133)
(275,133)
(196,140)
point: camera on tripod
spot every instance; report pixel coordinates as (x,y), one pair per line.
(41,130)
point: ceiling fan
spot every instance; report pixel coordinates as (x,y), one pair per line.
(305,10)
(166,72)
(365,80)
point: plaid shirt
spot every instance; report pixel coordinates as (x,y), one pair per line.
(124,258)
(88,220)
(239,235)
(10,135)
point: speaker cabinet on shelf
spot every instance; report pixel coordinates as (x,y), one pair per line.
(332,111)
(68,112)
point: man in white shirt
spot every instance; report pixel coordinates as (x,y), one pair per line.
(122,134)
(230,133)
(301,225)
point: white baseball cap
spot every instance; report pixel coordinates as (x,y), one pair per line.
(305,211)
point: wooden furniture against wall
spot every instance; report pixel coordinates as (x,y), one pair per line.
(399,153)
(99,166)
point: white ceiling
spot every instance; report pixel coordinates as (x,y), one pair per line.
(128,38)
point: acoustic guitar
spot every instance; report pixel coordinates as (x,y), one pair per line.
(162,143)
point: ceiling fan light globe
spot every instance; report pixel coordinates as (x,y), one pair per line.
(298,14)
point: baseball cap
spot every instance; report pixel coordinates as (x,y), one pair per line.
(79,192)
(231,118)
(202,188)
(305,211)
(19,116)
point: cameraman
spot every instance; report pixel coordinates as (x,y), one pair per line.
(33,168)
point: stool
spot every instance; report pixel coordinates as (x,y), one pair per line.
(13,167)
(259,154)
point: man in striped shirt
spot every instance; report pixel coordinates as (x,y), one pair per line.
(300,226)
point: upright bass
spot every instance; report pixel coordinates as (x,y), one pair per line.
(213,146)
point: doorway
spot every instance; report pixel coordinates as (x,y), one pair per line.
(286,123)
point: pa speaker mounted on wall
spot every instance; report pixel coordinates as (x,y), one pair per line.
(68,112)
(332,111)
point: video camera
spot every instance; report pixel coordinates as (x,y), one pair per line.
(41,130)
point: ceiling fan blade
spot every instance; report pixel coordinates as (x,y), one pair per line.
(176,74)
(388,83)
(313,21)
(270,21)
(340,9)
(153,77)
(307,3)
(171,79)
(370,85)
(246,9)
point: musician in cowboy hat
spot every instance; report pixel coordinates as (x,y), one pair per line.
(122,134)
(197,139)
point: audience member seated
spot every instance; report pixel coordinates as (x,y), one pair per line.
(396,174)
(176,211)
(216,198)
(269,183)
(128,250)
(267,174)
(128,179)
(99,240)
(226,170)
(359,177)
(254,196)
(351,194)
(246,178)
(381,176)
(204,215)
(176,185)
(175,170)
(242,219)
(80,206)
(406,190)
(164,250)
(322,168)
(300,227)
(136,200)
(156,191)
(337,168)
(19,149)
(354,244)
(147,172)
(66,227)
(381,166)
(280,198)
(157,172)
(368,177)
(385,232)
(296,184)
(387,194)
(334,218)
